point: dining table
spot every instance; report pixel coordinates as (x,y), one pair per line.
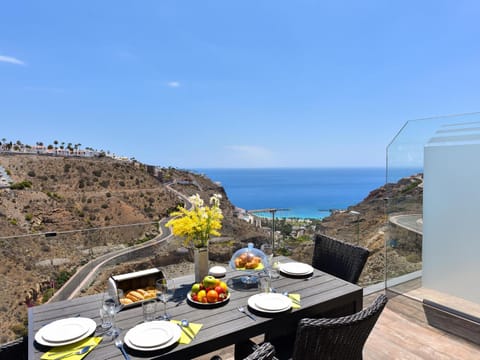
(320,295)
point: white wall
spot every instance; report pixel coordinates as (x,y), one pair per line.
(451,213)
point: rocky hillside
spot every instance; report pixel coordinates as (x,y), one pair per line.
(370,228)
(86,202)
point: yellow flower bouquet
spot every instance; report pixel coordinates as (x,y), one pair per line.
(199,222)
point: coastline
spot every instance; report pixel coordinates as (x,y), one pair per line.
(308,193)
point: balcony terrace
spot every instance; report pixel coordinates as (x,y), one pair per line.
(427,256)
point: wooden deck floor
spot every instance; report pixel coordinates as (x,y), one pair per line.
(402,333)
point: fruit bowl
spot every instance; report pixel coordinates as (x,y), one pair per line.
(209,292)
(207,304)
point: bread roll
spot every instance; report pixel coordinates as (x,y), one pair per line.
(126,301)
(134,296)
(143,292)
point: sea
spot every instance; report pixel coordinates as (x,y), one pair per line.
(307,193)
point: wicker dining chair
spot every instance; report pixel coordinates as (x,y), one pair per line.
(339,258)
(337,338)
(264,351)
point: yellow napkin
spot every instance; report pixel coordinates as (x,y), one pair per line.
(296,300)
(67,349)
(192,329)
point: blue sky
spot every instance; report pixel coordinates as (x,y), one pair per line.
(195,84)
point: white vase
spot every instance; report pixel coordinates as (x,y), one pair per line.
(200,258)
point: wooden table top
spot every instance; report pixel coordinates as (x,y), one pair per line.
(222,325)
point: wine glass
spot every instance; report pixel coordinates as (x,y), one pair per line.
(267,249)
(118,304)
(165,291)
(272,267)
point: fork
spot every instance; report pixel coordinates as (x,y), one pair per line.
(119,344)
(242,310)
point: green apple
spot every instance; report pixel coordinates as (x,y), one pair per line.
(195,288)
(209,281)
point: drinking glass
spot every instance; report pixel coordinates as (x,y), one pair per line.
(106,318)
(109,307)
(265,283)
(165,291)
(149,308)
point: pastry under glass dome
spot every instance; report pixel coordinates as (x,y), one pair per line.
(250,260)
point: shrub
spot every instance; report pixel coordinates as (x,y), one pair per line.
(47,295)
(28,217)
(97,173)
(19,330)
(104,206)
(66,168)
(31,173)
(108,194)
(121,183)
(63,277)
(21,185)
(105,183)
(54,196)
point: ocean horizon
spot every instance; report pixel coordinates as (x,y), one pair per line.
(306,192)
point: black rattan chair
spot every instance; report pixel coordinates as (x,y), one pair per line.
(16,349)
(337,338)
(264,351)
(338,258)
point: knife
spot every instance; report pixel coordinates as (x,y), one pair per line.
(185,331)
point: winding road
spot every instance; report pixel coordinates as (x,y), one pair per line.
(87,273)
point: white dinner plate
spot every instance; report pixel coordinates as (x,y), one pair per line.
(265,302)
(273,302)
(65,331)
(150,334)
(296,268)
(173,329)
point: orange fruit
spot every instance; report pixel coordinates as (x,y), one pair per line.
(212,296)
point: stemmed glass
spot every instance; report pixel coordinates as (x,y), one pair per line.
(271,267)
(165,291)
(268,251)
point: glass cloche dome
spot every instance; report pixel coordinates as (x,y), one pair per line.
(248,258)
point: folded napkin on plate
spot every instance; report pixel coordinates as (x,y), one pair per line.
(192,329)
(72,348)
(295,300)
